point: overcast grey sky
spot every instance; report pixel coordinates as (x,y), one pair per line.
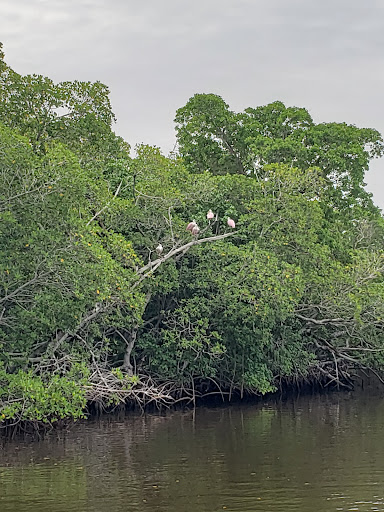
(326,56)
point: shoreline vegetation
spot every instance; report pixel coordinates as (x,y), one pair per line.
(247,261)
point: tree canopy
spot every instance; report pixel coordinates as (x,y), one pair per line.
(213,138)
(90,313)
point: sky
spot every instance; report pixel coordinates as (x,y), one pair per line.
(326,56)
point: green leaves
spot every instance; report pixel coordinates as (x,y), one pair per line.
(25,397)
(298,286)
(211,137)
(42,110)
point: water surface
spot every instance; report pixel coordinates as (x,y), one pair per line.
(315,454)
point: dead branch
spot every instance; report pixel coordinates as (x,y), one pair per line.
(173,252)
(323,321)
(106,206)
(91,315)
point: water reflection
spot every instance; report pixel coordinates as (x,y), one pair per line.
(321,454)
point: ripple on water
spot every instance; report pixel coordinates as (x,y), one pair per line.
(319,454)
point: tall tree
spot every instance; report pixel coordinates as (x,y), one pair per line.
(211,137)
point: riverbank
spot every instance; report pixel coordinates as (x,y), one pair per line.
(144,396)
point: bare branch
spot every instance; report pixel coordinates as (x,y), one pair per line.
(153,265)
(93,314)
(106,206)
(24,285)
(143,273)
(324,321)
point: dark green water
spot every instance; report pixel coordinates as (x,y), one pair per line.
(315,454)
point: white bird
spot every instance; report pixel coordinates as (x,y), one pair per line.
(231,222)
(210,214)
(159,249)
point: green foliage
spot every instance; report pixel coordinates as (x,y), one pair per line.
(296,292)
(64,264)
(46,398)
(42,110)
(211,137)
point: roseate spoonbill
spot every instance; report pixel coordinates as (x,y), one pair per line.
(159,249)
(191,225)
(195,230)
(210,215)
(231,222)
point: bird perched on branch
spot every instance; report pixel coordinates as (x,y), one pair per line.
(159,249)
(191,225)
(231,222)
(195,230)
(210,214)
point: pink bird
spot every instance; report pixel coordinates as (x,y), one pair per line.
(231,222)
(195,230)
(210,215)
(191,225)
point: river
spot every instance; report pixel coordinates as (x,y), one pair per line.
(307,454)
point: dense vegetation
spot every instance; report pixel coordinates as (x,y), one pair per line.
(90,313)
